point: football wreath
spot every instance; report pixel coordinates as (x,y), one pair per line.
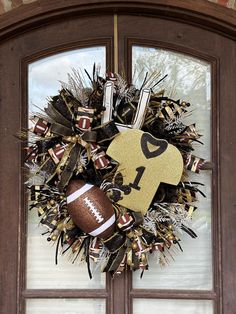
(108,171)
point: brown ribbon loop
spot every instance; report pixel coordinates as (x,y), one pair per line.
(57,116)
(106,131)
(89,136)
(115,242)
(60,130)
(69,168)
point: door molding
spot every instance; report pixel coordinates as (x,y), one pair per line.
(201,13)
(18,44)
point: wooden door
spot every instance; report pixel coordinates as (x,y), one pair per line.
(120,36)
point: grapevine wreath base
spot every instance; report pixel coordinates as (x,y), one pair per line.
(109,171)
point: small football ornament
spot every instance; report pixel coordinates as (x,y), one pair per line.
(90,209)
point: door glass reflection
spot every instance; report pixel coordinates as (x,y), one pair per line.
(44,77)
(65,306)
(173,306)
(188,79)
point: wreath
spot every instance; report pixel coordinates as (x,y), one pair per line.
(108,171)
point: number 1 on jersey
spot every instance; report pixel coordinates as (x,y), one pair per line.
(140,171)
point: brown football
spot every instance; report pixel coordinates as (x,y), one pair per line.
(90,209)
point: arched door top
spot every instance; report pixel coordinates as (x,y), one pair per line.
(202,13)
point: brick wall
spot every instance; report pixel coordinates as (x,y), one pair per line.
(6,5)
(226,3)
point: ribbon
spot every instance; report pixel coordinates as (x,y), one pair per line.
(56,116)
(129,220)
(188,135)
(95,249)
(40,126)
(115,242)
(106,131)
(193,163)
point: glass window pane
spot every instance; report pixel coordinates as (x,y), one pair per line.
(42,273)
(65,306)
(188,79)
(141,306)
(192,268)
(43,81)
(45,75)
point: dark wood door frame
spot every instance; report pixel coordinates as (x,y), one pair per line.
(23,41)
